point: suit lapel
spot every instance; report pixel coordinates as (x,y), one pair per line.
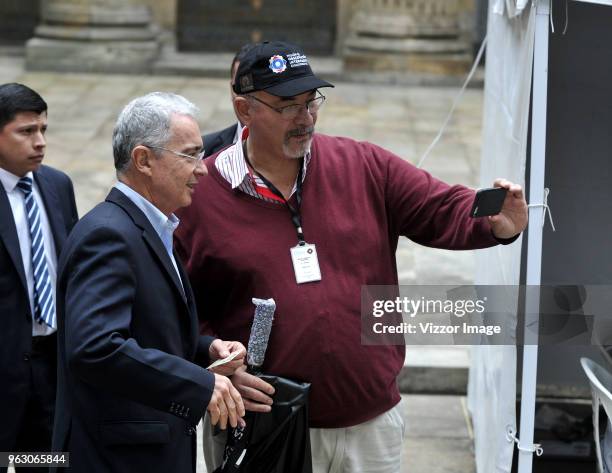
(153,240)
(149,235)
(52,207)
(8,234)
(193,315)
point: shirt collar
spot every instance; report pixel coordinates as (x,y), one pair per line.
(164,226)
(9,180)
(239,171)
(238,134)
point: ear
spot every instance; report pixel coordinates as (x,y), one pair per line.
(141,160)
(244,110)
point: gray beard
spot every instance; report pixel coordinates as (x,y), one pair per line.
(294,155)
(289,156)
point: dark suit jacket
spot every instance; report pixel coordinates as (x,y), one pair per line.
(129,391)
(16,331)
(218,140)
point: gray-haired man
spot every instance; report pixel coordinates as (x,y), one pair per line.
(132,386)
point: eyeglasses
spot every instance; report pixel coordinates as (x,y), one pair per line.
(196,159)
(291,111)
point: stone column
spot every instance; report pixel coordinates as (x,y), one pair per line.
(93,36)
(407,35)
(344,14)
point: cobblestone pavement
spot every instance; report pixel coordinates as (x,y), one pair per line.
(82,112)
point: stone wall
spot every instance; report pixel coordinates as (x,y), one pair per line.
(164,13)
(431,36)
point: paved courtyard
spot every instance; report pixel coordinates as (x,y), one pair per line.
(82,112)
(83,109)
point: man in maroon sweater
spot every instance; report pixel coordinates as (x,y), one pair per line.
(308,219)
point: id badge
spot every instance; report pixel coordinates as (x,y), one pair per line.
(305,263)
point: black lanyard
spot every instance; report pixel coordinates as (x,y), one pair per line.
(296,216)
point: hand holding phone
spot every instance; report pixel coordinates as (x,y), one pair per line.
(488,201)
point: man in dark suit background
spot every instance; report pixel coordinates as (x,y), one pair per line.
(37,211)
(218,140)
(131,382)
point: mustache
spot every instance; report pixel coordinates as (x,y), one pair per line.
(300,131)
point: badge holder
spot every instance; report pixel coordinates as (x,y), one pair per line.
(305,262)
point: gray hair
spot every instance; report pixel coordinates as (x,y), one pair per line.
(146,121)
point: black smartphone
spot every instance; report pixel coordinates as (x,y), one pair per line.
(488,201)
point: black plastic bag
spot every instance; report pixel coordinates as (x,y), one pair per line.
(273,442)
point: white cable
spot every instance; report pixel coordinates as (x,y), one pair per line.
(550,17)
(455,103)
(546,208)
(552,23)
(533,448)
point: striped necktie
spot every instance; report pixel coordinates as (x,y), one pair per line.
(44,307)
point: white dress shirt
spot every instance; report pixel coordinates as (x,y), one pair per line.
(164,226)
(18,208)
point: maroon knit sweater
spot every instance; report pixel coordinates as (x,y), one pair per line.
(357,200)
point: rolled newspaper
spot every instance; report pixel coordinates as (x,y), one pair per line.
(260,331)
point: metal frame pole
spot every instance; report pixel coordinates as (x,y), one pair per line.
(534,242)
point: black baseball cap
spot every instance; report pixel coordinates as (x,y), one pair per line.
(277,67)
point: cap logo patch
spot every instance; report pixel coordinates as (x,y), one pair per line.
(246,83)
(277,64)
(297,60)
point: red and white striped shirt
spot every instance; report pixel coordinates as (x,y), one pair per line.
(233,167)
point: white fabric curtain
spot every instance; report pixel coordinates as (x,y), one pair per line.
(511,7)
(492,378)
